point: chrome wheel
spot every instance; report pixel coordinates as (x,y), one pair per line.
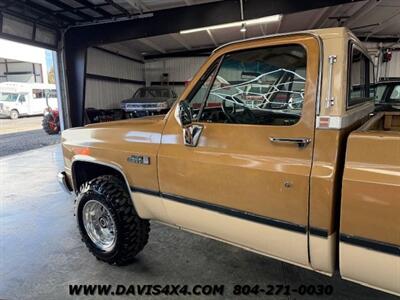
(99,225)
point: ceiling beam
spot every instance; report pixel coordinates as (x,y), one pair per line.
(331,13)
(70,9)
(177,37)
(96,8)
(138,5)
(51,13)
(323,14)
(385,24)
(211,36)
(366,8)
(153,45)
(124,11)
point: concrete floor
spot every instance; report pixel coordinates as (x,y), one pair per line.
(41,252)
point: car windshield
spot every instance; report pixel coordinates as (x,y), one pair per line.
(151,93)
(9,97)
(379,91)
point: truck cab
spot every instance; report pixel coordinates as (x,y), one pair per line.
(269,149)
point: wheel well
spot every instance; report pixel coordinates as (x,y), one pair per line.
(83,171)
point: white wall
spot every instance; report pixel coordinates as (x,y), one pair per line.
(389,69)
(25,53)
(103,93)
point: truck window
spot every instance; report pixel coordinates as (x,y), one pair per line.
(200,91)
(50,93)
(360,78)
(9,97)
(37,93)
(262,86)
(395,95)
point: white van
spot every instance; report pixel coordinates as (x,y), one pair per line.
(26,99)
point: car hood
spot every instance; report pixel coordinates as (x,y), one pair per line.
(145,100)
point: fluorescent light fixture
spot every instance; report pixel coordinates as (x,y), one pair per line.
(269,19)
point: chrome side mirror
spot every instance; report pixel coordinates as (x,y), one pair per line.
(191,132)
(185,113)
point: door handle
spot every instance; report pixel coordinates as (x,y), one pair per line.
(301,142)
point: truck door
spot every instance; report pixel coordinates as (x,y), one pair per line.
(247,179)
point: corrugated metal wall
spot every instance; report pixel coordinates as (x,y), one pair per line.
(104,63)
(103,89)
(106,91)
(105,94)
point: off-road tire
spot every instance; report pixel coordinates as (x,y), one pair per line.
(132,232)
(46,124)
(14,114)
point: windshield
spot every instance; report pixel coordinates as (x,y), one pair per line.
(379,91)
(151,93)
(9,97)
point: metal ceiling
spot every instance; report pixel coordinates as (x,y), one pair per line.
(64,13)
(369,20)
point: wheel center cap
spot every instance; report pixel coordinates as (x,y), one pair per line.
(103,222)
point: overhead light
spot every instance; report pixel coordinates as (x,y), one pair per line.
(243,29)
(269,19)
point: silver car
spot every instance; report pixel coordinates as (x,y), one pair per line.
(149,101)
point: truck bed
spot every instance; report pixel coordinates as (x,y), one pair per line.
(370,206)
(383,121)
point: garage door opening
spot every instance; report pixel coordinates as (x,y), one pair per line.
(29,97)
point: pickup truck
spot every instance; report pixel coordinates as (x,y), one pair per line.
(272,147)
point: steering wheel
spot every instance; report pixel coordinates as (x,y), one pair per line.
(230,111)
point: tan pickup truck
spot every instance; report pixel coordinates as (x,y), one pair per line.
(272,147)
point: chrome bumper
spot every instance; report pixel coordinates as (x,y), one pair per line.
(63,181)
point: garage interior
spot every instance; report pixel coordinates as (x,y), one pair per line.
(106,50)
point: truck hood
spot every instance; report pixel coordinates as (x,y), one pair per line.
(133,124)
(117,134)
